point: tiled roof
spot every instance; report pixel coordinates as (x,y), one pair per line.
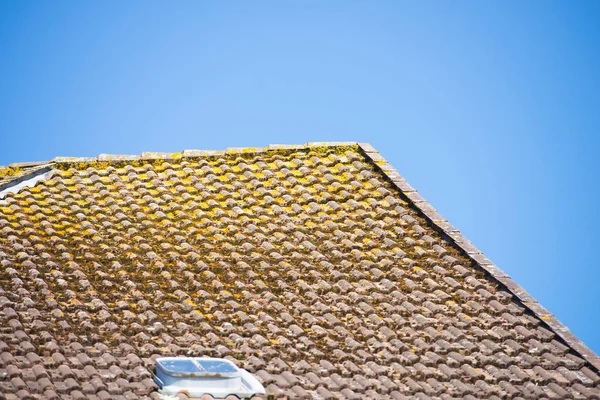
(315,267)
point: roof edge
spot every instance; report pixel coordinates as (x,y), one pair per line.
(28,179)
(149,156)
(477,257)
(19,172)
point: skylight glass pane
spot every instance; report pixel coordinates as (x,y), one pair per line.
(179,365)
(216,366)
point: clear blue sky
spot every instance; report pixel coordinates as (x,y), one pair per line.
(490,109)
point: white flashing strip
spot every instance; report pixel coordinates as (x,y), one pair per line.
(26,181)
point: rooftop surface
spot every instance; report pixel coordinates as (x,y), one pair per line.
(315,267)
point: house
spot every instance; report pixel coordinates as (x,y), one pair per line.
(317,268)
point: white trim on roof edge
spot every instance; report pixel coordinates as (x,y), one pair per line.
(28,180)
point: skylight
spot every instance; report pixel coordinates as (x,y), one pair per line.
(217,366)
(197,376)
(180,366)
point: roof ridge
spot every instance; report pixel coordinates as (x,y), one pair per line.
(454,236)
(189,153)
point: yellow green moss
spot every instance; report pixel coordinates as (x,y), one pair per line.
(9,171)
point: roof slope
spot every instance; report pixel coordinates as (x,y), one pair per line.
(315,267)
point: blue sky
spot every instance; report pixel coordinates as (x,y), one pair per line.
(489,109)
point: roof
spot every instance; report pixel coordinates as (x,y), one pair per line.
(315,267)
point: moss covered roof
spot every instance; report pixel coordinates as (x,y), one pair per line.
(315,267)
